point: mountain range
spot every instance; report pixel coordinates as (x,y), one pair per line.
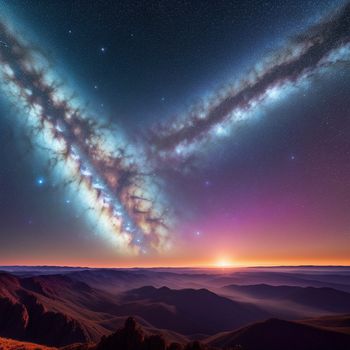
(65,308)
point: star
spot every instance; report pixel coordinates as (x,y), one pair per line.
(103,49)
(40,181)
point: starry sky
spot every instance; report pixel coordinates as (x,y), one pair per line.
(174,133)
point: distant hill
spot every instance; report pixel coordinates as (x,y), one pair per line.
(323,299)
(188,311)
(117,280)
(275,334)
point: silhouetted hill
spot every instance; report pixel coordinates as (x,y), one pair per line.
(275,334)
(132,337)
(324,299)
(188,311)
(272,334)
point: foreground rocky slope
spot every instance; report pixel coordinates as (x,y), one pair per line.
(272,334)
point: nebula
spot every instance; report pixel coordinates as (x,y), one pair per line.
(112,177)
(325,44)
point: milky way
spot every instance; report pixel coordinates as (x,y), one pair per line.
(113,179)
(325,44)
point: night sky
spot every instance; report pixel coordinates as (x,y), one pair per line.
(174,133)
